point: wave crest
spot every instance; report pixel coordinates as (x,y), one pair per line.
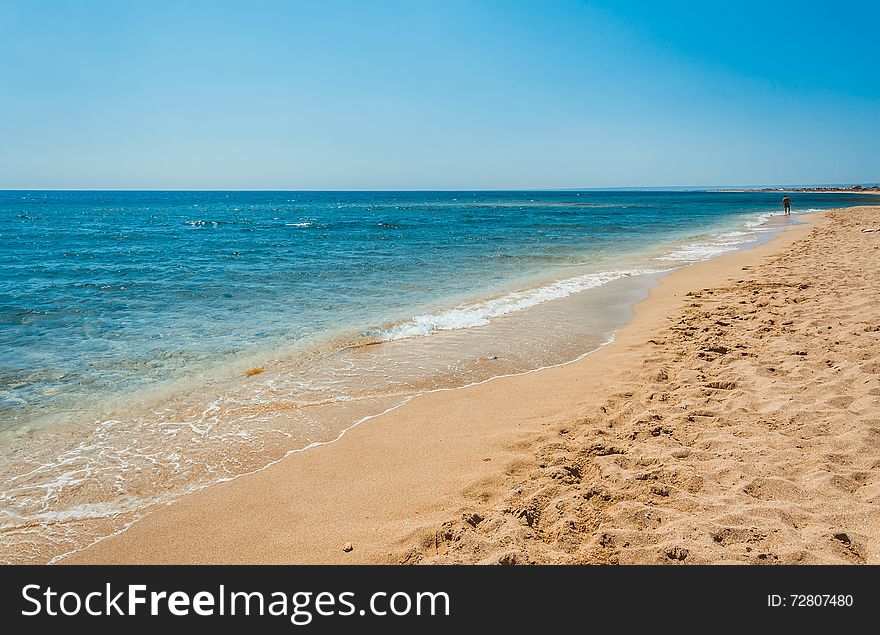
(481,313)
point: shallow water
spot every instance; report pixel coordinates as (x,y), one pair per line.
(127,320)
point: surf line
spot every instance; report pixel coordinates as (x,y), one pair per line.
(407,399)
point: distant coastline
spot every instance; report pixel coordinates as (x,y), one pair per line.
(854,189)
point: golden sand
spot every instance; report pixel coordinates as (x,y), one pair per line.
(735,419)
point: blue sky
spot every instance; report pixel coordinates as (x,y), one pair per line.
(446,95)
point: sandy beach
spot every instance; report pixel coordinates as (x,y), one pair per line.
(734,420)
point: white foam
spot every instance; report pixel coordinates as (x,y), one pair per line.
(694,252)
(481,313)
(723,242)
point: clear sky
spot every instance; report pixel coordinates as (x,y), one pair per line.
(444,94)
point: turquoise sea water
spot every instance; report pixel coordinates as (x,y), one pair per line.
(127,320)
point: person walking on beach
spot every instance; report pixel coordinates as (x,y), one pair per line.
(786,205)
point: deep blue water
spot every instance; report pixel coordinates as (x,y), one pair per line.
(105,292)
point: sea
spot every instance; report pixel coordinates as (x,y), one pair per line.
(153,343)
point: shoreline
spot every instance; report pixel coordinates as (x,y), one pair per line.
(796,190)
(385,484)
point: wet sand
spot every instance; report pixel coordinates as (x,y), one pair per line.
(735,419)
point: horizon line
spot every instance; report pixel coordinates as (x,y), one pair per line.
(537,189)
